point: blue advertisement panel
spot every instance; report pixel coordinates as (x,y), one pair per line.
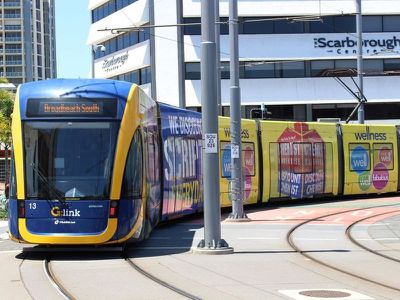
(181,132)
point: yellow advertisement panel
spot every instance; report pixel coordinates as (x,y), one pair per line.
(300,160)
(249,161)
(370,157)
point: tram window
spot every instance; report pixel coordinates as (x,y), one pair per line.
(13,181)
(302,158)
(132,181)
(359,156)
(383,156)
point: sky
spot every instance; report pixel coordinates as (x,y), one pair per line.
(72,28)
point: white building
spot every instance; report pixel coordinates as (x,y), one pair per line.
(284,55)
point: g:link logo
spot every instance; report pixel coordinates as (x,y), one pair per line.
(57,212)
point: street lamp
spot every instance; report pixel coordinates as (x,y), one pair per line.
(94,50)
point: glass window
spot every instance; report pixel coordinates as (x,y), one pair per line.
(192,29)
(373,66)
(319,66)
(326,25)
(144,34)
(285,26)
(359,157)
(13,181)
(257,27)
(383,156)
(69,159)
(345,24)
(259,70)
(120,42)
(292,69)
(192,71)
(145,75)
(132,181)
(391,23)
(133,38)
(346,64)
(224,28)
(225,69)
(372,23)
(391,64)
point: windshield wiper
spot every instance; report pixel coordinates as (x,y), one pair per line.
(52,189)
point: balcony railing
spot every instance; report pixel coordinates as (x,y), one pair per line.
(12,4)
(12,16)
(13,39)
(13,50)
(13,62)
(10,74)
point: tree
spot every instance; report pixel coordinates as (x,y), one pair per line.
(6,109)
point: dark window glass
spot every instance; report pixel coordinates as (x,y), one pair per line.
(192,29)
(145,75)
(319,66)
(225,69)
(326,25)
(373,66)
(192,71)
(257,27)
(69,159)
(119,4)
(346,64)
(133,37)
(345,24)
(120,42)
(134,77)
(144,34)
(13,181)
(285,26)
(132,181)
(224,28)
(391,23)
(391,64)
(372,23)
(292,69)
(259,70)
(125,40)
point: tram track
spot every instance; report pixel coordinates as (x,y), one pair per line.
(290,240)
(157,280)
(354,240)
(55,282)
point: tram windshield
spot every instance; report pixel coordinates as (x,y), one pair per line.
(69,160)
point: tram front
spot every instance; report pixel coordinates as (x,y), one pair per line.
(64,151)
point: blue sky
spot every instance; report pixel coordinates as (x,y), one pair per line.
(72,27)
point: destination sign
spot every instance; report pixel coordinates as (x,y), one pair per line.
(71,108)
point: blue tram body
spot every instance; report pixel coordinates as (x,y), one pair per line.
(99,162)
(90,162)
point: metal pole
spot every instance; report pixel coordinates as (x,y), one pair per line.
(218,61)
(212,242)
(236,144)
(93,56)
(360,68)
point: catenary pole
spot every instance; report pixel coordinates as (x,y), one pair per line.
(212,242)
(360,68)
(236,145)
(218,59)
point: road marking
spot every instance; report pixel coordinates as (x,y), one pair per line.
(314,239)
(4,236)
(379,239)
(258,238)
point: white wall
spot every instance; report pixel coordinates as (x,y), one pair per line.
(134,14)
(300,91)
(191,8)
(166,52)
(123,61)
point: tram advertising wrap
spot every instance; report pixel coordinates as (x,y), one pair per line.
(249,161)
(182,146)
(370,159)
(300,159)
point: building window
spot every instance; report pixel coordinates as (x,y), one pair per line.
(391,23)
(291,69)
(319,66)
(192,29)
(372,23)
(391,65)
(285,26)
(345,24)
(256,26)
(259,70)
(109,8)
(192,71)
(373,66)
(145,75)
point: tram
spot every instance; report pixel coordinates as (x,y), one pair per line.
(97,161)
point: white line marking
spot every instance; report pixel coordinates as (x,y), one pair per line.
(258,238)
(314,239)
(379,239)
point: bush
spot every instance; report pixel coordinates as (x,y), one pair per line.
(3,206)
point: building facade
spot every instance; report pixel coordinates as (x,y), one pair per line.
(27,40)
(291,54)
